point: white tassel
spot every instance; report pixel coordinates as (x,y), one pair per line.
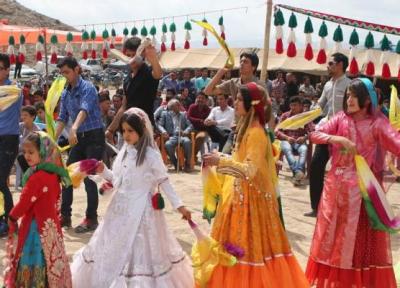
(204,33)
(368,56)
(22,49)
(154,41)
(384,57)
(53,49)
(337,47)
(292,36)
(322,44)
(173,37)
(222,28)
(353,52)
(94,46)
(278,32)
(187,35)
(69,48)
(163,38)
(39,47)
(11,50)
(84,46)
(308,38)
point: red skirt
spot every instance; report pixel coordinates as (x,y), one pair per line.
(372,262)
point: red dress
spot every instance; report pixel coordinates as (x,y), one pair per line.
(40,200)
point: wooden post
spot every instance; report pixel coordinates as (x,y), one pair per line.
(264,72)
(45,55)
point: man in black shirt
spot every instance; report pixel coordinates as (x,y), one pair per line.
(140,86)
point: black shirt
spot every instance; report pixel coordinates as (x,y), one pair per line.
(141,90)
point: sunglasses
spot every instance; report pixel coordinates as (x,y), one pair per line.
(330,63)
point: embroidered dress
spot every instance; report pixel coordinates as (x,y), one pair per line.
(346,251)
(248,216)
(133,246)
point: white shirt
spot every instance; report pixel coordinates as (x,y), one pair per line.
(331,100)
(224,118)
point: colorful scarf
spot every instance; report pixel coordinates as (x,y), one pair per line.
(50,161)
(378,208)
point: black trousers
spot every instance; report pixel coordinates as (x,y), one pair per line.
(218,135)
(8,153)
(317,173)
(90,146)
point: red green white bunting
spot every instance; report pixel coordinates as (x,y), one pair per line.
(308,30)
(205,34)
(39,48)
(11,49)
(292,50)
(385,47)
(53,49)
(85,46)
(354,41)
(279,21)
(68,47)
(369,44)
(22,49)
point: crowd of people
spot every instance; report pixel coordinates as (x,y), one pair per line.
(222,121)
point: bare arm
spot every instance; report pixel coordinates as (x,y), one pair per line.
(115,123)
(211,88)
(60,128)
(151,56)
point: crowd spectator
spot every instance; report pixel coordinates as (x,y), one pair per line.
(307,88)
(186,82)
(169,82)
(201,82)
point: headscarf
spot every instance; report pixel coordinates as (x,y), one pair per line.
(50,160)
(371,92)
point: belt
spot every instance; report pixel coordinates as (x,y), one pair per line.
(89,133)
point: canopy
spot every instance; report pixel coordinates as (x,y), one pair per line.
(215,59)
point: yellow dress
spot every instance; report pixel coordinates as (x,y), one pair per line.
(248,216)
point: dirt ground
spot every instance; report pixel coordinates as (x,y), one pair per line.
(295,202)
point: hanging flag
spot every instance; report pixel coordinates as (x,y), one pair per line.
(126,33)
(385,47)
(39,48)
(354,41)
(188,28)
(205,33)
(369,44)
(113,35)
(338,39)
(322,33)
(134,31)
(164,30)
(308,30)
(153,32)
(279,21)
(22,49)
(222,27)
(85,46)
(53,49)
(143,31)
(104,50)
(291,50)
(68,47)
(93,53)
(11,49)
(172,29)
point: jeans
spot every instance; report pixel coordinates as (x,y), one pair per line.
(289,150)
(171,144)
(317,173)
(8,153)
(90,145)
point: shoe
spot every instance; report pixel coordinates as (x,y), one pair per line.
(188,169)
(313,213)
(65,221)
(299,175)
(87,225)
(3,229)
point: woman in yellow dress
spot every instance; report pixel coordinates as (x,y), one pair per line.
(248,212)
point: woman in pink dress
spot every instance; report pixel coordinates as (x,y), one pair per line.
(346,251)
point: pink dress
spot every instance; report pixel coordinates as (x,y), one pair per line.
(346,251)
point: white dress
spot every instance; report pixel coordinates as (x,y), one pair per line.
(133,247)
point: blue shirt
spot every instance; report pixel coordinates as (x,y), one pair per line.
(9,118)
(168,83)
(81,97)
(201,83)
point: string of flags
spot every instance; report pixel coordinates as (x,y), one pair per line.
(338,38)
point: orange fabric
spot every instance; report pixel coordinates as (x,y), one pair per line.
(323,275)
(248,216)
(282,272)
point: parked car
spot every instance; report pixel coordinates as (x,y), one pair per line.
(92,65)
(26,71)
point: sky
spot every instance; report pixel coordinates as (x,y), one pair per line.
(243,27)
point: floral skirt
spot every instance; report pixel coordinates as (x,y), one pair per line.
(31,272)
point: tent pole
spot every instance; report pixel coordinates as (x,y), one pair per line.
(264,72)
(45,54)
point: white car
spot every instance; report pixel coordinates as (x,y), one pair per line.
(26,71)
(92,65)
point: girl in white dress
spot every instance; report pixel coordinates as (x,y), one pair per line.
(133,246)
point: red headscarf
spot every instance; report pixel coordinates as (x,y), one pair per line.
(257,101)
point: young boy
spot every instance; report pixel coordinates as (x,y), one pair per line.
(28,114)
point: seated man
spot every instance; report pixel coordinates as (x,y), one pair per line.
(294,141)
(197,113)
(175,127)
(219,122)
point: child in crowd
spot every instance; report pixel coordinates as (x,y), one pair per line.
(27,126)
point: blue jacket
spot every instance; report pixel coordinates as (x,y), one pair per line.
(166,123)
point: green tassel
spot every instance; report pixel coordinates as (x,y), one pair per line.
(398,47)
(308,27)
(161,203)
(172,27)
(11,40)
(93,35)
(188,26)
(369,41)
(113,33)
(22,39)
(134,31)
(70,37)
(54,39)
(221,21)
(323,30)
(354,40)
(85,36)
(385,44)
(164,28)
(205,20)
(143,31)
(278,18)
(125,31)
(41,39)
(338,34)
(153,30)
(292,21)
(105,34)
